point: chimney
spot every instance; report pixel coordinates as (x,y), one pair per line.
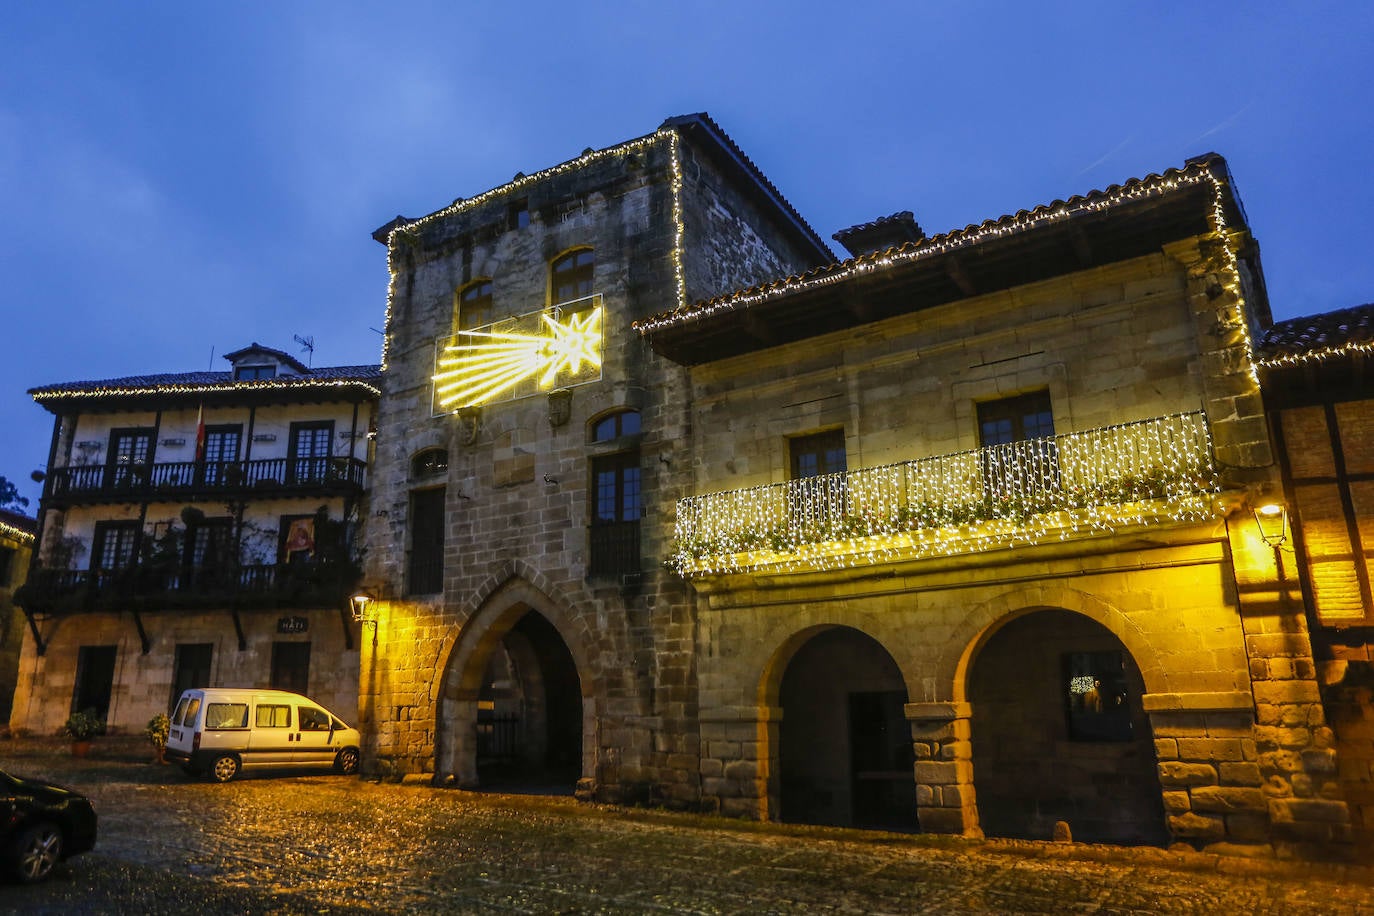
(884,232)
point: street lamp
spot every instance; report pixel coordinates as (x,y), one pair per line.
(1272,520)
(360,601)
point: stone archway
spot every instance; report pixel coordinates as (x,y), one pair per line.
(517,701)
(1059,733)
(844,750)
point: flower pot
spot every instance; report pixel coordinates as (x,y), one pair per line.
(81,748)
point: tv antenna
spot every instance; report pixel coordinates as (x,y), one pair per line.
(307,346)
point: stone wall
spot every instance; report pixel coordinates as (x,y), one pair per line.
(516,490)
(143,683)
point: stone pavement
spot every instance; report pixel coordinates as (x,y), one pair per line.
(332,844)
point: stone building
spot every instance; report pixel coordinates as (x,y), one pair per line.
(954,535)
(1320,393)
(16,548)
(976,508)
(196,529)
(530,449)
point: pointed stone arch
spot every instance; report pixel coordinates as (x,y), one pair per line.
(509,593)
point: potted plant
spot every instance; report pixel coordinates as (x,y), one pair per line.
(82,727)
(158,728)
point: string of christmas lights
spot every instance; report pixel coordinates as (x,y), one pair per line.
(284,382)
(1324,353)
(955,240)
(1095,481)
(18,534)
(523,181)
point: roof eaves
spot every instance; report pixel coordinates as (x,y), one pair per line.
(1202,168)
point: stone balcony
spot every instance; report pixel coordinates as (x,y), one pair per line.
(1079,484)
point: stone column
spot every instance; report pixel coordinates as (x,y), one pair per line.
(941,739)
(736,778)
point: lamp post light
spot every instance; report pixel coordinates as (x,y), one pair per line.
(1272,520)
(360,601)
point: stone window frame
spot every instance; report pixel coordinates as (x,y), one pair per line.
(474,298)
(821,445)
(579,276)
(429,462)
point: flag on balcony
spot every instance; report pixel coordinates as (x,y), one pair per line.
(200,433)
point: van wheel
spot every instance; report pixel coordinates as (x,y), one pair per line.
(224,768)
(346,761)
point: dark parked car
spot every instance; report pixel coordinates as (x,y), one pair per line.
(40,825)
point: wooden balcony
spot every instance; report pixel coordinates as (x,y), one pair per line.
(205,480)
(273,585)
(1075,485)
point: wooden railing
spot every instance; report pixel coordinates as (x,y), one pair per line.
(206,477)
(147,587)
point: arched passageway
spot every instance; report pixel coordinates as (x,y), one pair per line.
(1059,734)
(845,754)
(529,710)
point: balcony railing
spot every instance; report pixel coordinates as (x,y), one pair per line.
(206,477)
(1094,481)
(298,585)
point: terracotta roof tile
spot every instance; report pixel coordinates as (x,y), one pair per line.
(1315,333)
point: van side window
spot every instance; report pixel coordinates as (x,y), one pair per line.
(274,716)
(314,720)
(223,715)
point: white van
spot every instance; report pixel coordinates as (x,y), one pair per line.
(220,731)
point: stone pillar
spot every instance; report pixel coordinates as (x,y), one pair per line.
(736,778)
(1209,770)
(941,739)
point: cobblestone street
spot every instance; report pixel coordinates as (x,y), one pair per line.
(339,845)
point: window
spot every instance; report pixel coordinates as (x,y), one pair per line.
(474,305)
(115,545)
(617,507)
(1026,416)
(291,667)
(6,565)
(208,553)
(272,716)
(251,373)
(570,276)
(220,715)
(313,720)
(429,462)
(1020,458)
(1096,697)
(425,575)
(310,449)
(814,455)
(518,214)
(624,423)
(221,451)
(131,451)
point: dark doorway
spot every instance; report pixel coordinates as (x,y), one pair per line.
(1059,734)
(845,753)
(190,669)
(529,711)
(95,668)
(291,666)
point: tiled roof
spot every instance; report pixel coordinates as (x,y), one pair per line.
(1313,335)
(16,525)
(1197,168)
(175,382)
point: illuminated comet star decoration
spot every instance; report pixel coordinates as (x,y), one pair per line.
(486,364)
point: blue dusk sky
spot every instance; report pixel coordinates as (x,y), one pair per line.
(185,178)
